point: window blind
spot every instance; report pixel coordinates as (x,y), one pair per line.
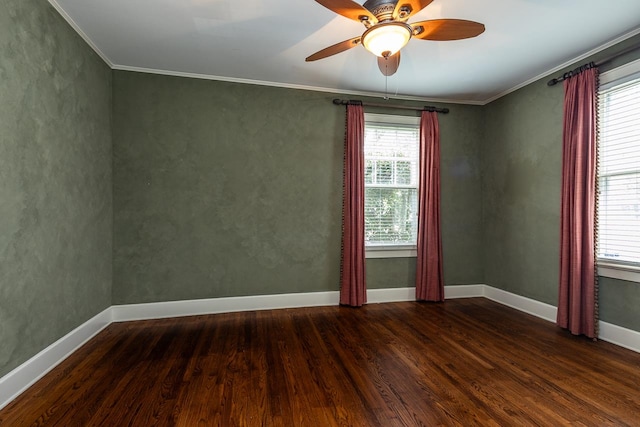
(391,183)
(619,173)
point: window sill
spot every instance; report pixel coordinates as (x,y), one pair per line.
(619,271)
(390,252)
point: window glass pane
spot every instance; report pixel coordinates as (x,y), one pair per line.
(368,171)
(384,173)
(403,173)
(390,215)
(619,217)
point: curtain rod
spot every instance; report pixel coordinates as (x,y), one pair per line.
(578,70)
(399,107)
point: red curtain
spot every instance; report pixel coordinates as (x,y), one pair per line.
(353,289)
(429,277)
(577,302)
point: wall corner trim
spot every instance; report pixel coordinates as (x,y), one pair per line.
(80,32)
(25,375)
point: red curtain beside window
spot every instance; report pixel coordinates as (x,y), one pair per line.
(353,291)
(429,276)
(577,305)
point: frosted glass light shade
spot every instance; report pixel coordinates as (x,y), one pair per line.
(387,38)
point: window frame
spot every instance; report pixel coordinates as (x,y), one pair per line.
(394,251)
(606,267)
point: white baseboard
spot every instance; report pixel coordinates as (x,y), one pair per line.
(618,335)
(21,378)
(463,291)
(25,375)
(527,305)
(160,310)
(609,332)
(375,296)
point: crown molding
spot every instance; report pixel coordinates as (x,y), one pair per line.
(564,65)
(289,85)
(81,33)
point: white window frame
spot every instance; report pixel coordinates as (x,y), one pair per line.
(607,268)
(392,251)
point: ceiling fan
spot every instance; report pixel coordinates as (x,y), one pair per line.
(387,30)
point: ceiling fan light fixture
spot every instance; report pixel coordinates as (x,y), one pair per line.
(387,38)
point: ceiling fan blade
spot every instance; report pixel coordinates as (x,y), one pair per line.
(336,48)
(446,29)
(349,9)
(406,8)
(390,64)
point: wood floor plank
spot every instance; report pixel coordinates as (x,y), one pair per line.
(461,363)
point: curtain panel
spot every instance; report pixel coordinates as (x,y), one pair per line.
(577,299)
(429,275)
(353,290)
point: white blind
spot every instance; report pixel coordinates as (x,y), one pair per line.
(391,183)
(619,173)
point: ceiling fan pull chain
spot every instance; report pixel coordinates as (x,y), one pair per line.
(386,87)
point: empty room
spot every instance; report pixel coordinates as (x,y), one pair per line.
(319,213)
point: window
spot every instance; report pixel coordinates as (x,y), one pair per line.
(619,173)
(391,145)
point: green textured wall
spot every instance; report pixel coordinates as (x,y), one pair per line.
(461,134)
(521,166)
(521,173)
(224,189)
(55,180)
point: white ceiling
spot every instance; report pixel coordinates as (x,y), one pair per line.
(266,42)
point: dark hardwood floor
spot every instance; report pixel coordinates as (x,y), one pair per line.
(465,362)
